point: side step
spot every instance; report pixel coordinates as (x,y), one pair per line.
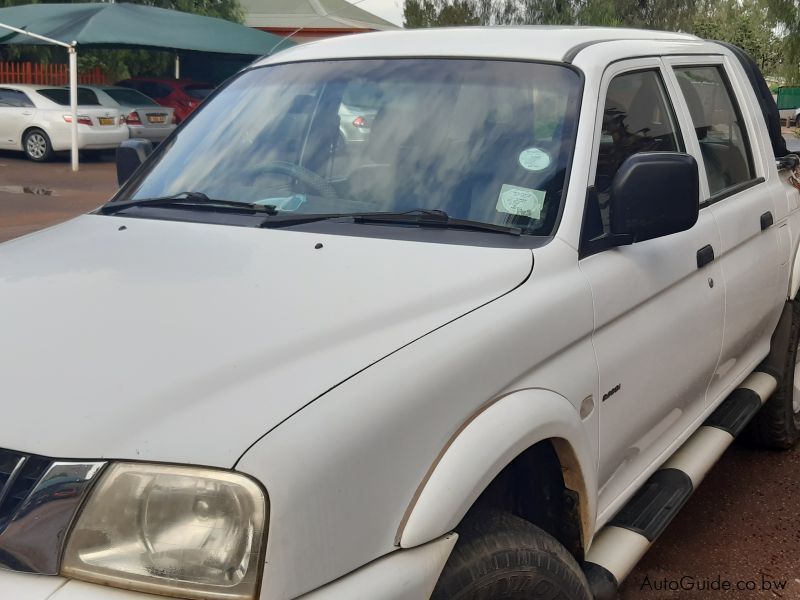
(617,548)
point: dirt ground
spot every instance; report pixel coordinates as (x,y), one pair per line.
(34,196)
(741,528)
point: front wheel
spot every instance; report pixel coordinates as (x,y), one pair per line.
(500,556)
(37,146)
(777,424)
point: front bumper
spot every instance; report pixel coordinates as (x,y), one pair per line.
(22,586)
(402,575)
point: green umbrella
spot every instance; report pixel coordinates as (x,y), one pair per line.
(110,25)
(134,26)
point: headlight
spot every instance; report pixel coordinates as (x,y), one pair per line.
(185,532)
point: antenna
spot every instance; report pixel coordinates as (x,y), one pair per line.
(299,29)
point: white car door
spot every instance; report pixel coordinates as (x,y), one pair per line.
(658,304)
(743,204)
(16,112)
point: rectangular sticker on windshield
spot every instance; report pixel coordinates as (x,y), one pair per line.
(525,202)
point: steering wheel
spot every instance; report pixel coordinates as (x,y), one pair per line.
(303,175)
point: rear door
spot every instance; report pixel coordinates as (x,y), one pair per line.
(16,113)
(724,141)
(658,312)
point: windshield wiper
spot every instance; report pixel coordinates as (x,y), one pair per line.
(420,216)
(188,199)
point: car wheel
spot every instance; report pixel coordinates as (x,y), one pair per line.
(777,424)
(501,556)
(37,145)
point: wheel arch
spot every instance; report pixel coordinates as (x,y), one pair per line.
(794,278)
(30,128)
(533,432)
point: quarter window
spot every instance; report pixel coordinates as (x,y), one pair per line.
(14,98)
(637,117)
(718,124)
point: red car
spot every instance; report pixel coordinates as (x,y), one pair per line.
(184,95)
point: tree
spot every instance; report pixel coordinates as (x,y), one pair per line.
(745,24)
(440,13)
(784,15)
(653,14)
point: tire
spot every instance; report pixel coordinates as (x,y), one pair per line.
(37,145)
(777,424)
(499,556)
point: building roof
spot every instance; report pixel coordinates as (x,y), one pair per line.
(312,14)
(542,42)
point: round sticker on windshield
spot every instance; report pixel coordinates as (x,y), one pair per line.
(534,159)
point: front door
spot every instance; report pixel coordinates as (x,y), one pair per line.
(658,311)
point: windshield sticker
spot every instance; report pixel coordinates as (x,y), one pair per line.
(525,202)
(534,159)
(289,204)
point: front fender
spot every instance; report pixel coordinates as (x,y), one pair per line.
(489,441)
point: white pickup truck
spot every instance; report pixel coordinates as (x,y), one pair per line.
(486,352)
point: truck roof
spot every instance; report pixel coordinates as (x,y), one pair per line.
(539,42)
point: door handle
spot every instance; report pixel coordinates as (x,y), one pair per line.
(766,220)
(704,256)
(26,113)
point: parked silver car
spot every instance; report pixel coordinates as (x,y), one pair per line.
(146,118)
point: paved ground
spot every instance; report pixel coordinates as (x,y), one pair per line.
(742,526)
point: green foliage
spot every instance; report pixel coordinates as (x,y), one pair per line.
(784,15)
(654,14)
(439,13)
(744,23)
(749,24)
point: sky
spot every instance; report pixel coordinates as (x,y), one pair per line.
(391,10)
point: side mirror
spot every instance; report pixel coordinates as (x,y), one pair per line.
(654,194)
(131,154)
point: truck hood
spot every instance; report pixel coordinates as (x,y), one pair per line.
(183,342)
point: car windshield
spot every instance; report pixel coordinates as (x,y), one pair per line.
(127,97)
(486,141)
(61,96)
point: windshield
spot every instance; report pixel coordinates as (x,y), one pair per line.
(486,141)
(128,97)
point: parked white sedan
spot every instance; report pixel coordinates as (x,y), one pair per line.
(36,119)
(146,118)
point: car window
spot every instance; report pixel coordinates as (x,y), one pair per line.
(459,136)
(637,117)
(718,125)
(127,97)
(60,96)
(14,98)
(148,88)
(161,90)
(198,91)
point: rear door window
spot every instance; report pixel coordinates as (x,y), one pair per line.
(718,126)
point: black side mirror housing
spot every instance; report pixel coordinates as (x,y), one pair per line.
(654,194)
(130,155)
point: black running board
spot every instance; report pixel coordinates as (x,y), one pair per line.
(618,546)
